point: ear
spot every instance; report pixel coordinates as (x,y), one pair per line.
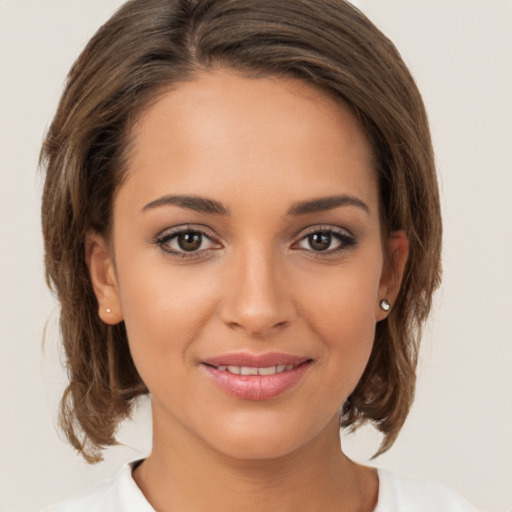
(392,272)
(103,278)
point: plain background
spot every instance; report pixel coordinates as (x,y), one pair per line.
(459,431)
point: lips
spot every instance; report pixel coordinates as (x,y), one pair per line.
(254,370)
(256,377)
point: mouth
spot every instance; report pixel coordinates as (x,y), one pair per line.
(252,377)
(252,370)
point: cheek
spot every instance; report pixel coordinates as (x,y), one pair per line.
(343,298)
(347,327)
(341,312)
(164,309)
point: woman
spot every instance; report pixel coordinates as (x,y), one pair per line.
(241,218)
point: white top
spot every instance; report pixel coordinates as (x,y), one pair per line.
(397,493)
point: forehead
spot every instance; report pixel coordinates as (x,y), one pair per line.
(224,131)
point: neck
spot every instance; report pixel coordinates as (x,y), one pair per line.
(184,474)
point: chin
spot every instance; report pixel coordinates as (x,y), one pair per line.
(265,438)
(262,448)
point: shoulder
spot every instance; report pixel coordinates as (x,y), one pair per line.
(120,495)
(400,493)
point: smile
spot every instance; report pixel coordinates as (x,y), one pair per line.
(251,370)
(250,377)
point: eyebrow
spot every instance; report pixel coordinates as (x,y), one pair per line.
(196,203)
(322,204)
(205,205)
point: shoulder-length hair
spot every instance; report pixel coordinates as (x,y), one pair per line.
(149,46)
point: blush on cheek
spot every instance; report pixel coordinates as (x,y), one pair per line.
(348,331)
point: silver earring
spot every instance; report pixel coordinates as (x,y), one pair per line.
(384,305)
(108,311)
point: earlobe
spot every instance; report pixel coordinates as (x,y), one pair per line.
(392,273)
(103,278)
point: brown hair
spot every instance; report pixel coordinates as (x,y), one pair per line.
(149,45)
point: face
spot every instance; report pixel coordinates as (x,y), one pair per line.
(246,261)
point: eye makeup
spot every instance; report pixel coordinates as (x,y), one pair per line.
(191,241)
(188,241)
(325,241)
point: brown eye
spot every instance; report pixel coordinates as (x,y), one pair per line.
(328,241)
(190,241)
(320,241)
(187,242)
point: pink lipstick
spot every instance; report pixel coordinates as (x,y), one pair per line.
(256,377)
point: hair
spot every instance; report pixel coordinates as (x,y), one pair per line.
(149,46)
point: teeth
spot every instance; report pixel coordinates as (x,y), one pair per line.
(251,370)
(247,370)
(271,370)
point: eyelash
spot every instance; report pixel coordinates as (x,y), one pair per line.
(162,241)
(345,240)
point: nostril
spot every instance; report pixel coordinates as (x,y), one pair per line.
(256,303)
(257,329)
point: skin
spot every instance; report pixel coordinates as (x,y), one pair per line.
(256,284)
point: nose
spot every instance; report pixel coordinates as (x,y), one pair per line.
(257,298)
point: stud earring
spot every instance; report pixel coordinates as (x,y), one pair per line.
(108,311)
(384,305)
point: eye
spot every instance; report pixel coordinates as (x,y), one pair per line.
(186,242)
(327,241)
(190,241)
(320,241)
